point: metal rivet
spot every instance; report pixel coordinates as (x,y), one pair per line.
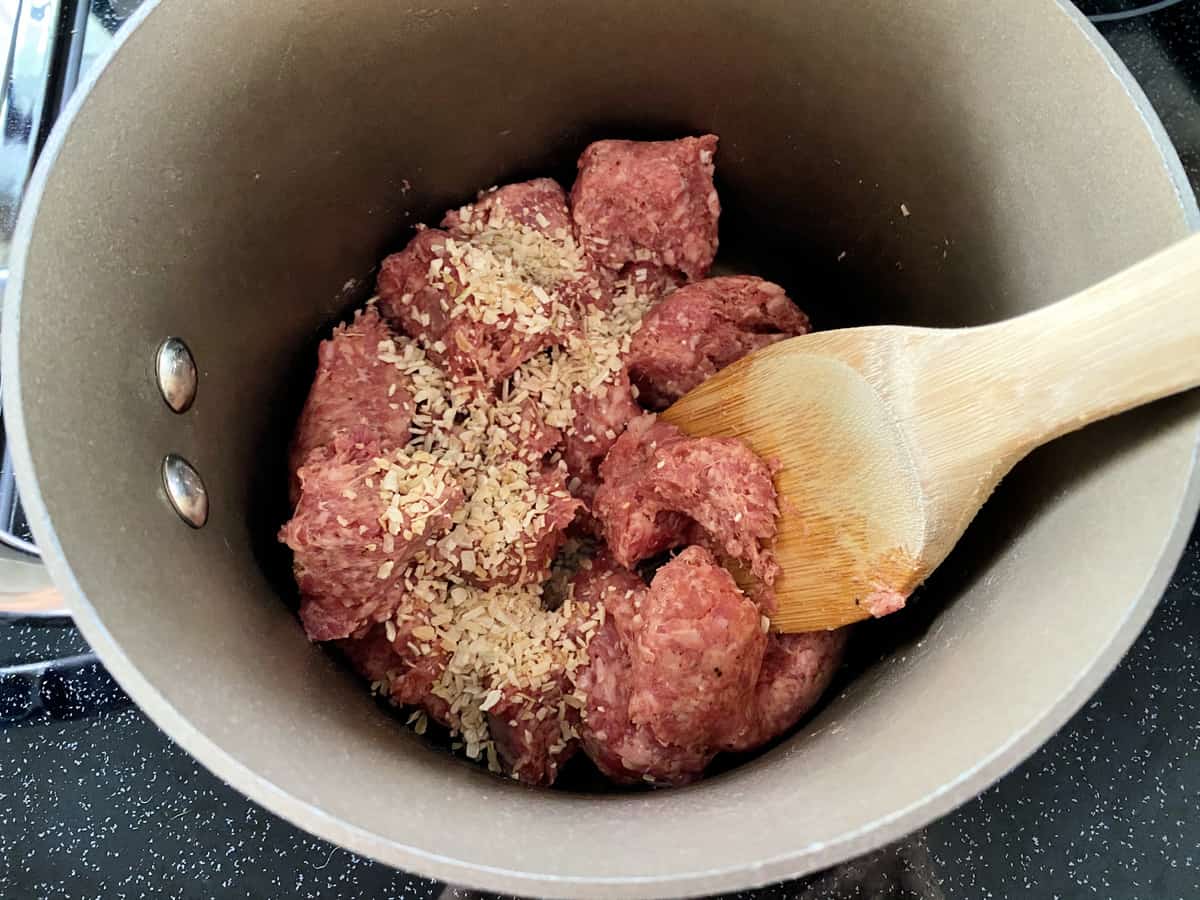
(185,490)
(176,373)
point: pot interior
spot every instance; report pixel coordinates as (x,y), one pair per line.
(238,170)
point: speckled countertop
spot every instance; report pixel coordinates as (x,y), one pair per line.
(96,802)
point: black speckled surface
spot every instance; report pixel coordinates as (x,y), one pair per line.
(96,803)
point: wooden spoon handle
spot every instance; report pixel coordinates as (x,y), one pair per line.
(1126,341)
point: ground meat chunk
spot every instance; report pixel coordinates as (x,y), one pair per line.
(346,560)
(636,201)
(672,673)
(656,708)
(643,280)
(483,353)
(600,418)
(353,389)
(372,655)
(796,670)
(657,483)
(651,281)
(425,658)
(408,298)
(530,738)
(404,679)
(603,581)
(703,327)
(696,655)
(623,750)
(540,204)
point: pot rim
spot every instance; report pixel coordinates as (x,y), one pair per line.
(314,820)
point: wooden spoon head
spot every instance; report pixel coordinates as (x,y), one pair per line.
(852,524)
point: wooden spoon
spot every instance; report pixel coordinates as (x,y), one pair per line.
(890,438)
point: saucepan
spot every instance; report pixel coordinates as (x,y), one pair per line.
(233,174)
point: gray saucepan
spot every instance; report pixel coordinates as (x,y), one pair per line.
(235,171)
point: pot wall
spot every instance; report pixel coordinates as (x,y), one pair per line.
(236,171)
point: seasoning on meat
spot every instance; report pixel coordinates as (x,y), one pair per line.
(471,307)
(437,474)
(503,651)
(496,290)
(590,359)
(658,485)
(601,412)
(533,747)
(540,204)
(353,389)
(360,518)
(701,328)
(600,417)
(651,280)
(654,202)
(536,730)
(513,525)
(405,679)
(529,438)
(412,301)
